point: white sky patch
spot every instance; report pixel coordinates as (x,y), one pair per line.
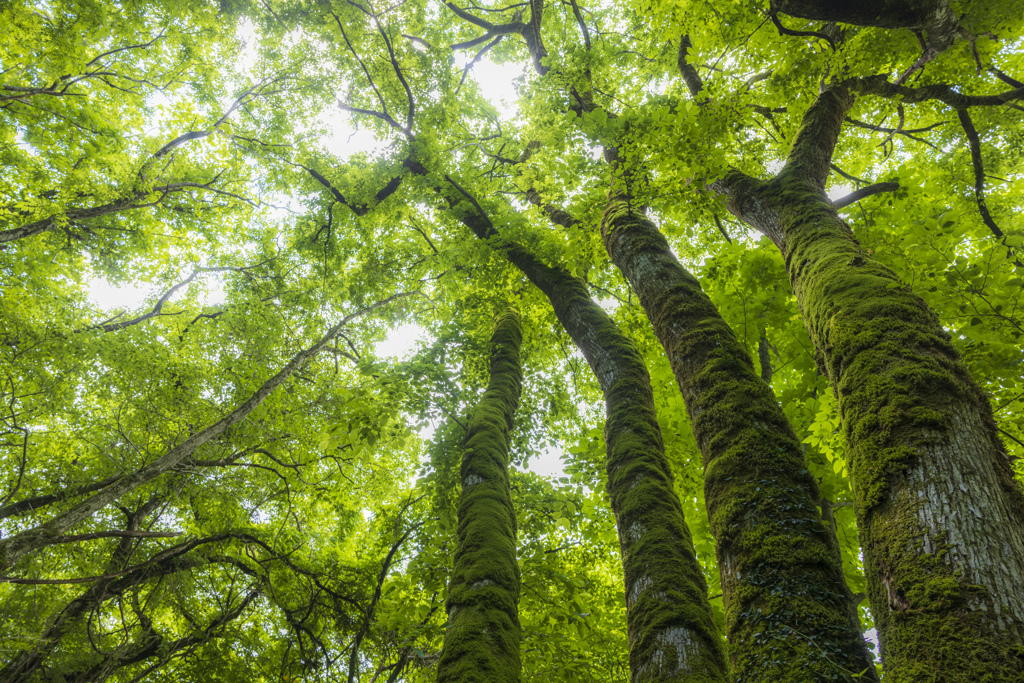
(871,635)
(109,298)
(838,191)
(609,305)
(344,139)
(400,342)
(247,36)
(496,85)
(548,463)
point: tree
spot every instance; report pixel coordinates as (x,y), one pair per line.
(482,637)
(232,470)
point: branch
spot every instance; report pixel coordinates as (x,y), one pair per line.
(31,504)
(401,78)
(157,308)
(1009,80)
(368,618)
(382,115)
(172,552)
(979,171)
(690,76)
(557,215)
(880,85)
(357,209)
(583,26)
(864,192)
(75,538)
(472,62)
(773,15)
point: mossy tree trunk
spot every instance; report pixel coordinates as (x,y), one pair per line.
(481,642)
(789,613)
(941,518)
(672,635)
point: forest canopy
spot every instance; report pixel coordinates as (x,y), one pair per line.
(719,306)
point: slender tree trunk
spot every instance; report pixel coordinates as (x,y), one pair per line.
(672,635)
(789,613)
(941,518)
(481,642)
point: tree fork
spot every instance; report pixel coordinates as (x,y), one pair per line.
(481,642)
(789,613)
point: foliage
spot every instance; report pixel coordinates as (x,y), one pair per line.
(205,152)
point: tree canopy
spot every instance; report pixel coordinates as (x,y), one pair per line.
(230,482)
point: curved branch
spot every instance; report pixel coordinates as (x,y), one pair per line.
(863,193)
(773,15)
(979,171)
(880,85)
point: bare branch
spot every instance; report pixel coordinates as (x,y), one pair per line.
(864,192)
(979,171)
(773,15)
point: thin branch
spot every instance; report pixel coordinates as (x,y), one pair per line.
(721,229)
(583,25)
(773,15)
(472,62)
(979,171)
(1009,80)
(76,538)
(851,178)
(864,192)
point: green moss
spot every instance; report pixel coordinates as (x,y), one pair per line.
(671,628)
(482,638)
(898,380)
(789,616)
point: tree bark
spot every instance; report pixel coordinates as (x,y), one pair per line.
(941,518)
(935,17)
(671,630)
(481,642)
(789,613)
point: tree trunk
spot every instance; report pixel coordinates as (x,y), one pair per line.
(672,635)
(941,518)
(481,642)
(789,613)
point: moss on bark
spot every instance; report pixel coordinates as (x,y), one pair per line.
(925,459)
(941,519)
(672,634)
(789,615)
(481,642)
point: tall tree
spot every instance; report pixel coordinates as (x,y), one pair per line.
(481,641)
(199,151)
